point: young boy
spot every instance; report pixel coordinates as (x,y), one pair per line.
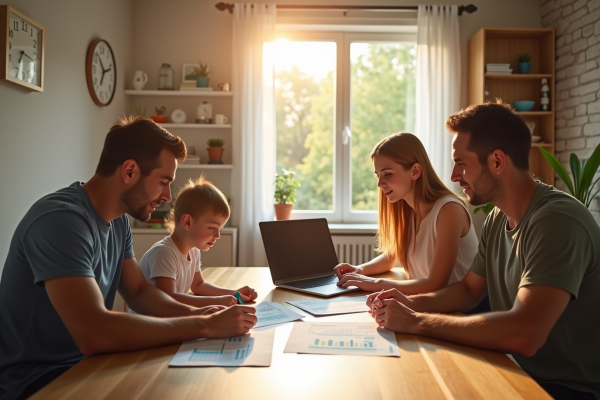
(173,264)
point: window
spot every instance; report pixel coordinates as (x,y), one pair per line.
(336,95)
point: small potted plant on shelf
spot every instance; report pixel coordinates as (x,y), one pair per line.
(215,151)
(139,111)
(202,72)
(524,65)
(285,194)
(160,116)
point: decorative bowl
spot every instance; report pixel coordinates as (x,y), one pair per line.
(523,105)
(536,138)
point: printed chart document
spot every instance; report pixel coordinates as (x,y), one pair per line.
(342,338)
(340,305)
(254,349)
(270,313)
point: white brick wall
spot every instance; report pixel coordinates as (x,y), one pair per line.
(577,24)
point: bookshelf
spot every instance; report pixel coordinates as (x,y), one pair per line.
(501,45)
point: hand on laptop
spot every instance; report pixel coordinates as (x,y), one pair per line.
(360,281)
(342,269)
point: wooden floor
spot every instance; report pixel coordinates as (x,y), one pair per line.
(427,368)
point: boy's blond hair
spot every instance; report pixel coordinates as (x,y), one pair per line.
(197,198)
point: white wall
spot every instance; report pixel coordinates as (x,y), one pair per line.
(54,138)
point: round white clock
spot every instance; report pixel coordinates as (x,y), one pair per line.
(101,72)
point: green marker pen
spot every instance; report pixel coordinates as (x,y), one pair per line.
(238,296)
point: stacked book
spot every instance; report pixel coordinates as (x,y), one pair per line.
(191,86)
(498,68)
(192,159)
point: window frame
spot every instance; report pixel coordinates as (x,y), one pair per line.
(342,212)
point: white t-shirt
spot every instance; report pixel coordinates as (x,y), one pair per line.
(419,261)
(165,260)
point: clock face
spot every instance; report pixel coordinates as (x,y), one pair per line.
(102,72)
(24,51)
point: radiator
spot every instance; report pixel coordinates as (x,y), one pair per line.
(354,249)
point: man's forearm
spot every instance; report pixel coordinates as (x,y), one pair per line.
(116,331)
(494,331)
(153,301)
(455,297)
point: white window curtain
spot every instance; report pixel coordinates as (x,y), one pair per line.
(253,131)
(438,83)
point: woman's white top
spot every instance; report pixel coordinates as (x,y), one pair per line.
(420,260)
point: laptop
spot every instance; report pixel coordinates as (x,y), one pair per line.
(301,256)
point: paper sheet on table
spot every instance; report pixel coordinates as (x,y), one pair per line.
(340,305)
(270,313)
(342,338)
(254,349)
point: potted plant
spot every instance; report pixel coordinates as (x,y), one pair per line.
(524,65)
(285,192)
(582,187)
(160,116)
(202,72)
(215,151)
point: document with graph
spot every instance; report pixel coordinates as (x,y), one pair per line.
(342,338)
(254,349)
(270,313)
(340,305)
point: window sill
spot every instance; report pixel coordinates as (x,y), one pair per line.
(353,229)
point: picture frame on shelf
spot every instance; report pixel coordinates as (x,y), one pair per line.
(188,74)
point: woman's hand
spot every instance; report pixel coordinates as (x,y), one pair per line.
(362,282)
(343,269)
(248,294)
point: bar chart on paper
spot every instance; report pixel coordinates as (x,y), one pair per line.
(255,349)
(231,349)
(344,338)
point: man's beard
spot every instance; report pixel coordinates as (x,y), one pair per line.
(484,188)
(136,201)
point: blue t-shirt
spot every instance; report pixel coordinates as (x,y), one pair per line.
(62,235)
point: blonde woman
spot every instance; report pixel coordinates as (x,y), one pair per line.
(423,225)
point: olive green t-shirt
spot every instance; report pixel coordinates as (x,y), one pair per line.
(556,243)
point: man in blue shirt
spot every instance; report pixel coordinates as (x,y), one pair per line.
(72,251)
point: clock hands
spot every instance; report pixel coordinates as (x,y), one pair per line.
(27,55)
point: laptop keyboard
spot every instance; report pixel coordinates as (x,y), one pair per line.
(314,282)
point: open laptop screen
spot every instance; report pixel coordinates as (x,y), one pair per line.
(298,249)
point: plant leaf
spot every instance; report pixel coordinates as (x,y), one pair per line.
(590,169)
(589,199)
(558,167)
(576,170)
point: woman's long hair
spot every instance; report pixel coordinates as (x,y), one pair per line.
(395,219)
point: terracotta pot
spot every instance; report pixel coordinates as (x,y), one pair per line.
(283,211)
(159,119)
(215,153)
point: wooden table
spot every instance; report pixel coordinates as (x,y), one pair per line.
(427,368)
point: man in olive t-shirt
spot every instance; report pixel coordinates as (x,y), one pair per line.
(539,260)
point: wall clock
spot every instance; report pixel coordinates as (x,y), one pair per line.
(22,50)
(101,72)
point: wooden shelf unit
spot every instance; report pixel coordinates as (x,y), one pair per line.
(501,45)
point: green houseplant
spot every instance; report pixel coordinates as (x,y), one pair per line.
(202,72)
(285,194)
(524,65)
(583,183)
(215,150)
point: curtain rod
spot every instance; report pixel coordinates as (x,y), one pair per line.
(229,7)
